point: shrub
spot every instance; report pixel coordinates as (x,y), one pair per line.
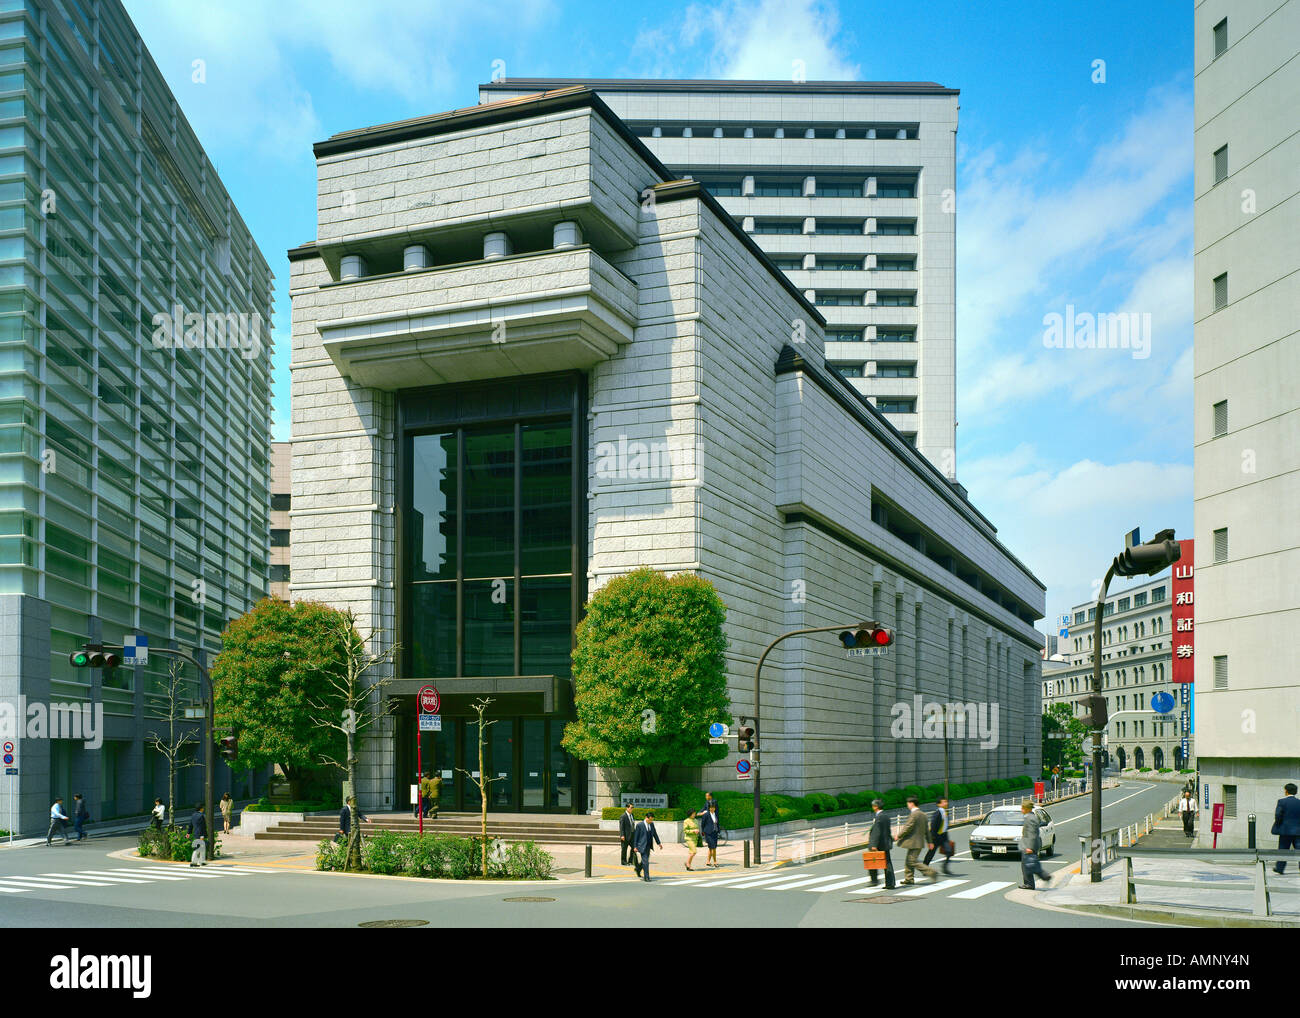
(1166,770)
(894,797)
(614,812)
(525,861)
(464,858)
(784,813)
(735,814)
(915,790)
(821,802)
(179,846)
(154,843)
(384,852)
(1144,769)
(331,855)
(1000,785)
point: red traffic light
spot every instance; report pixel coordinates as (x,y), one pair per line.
(867,636)
(883,637)
(229,748)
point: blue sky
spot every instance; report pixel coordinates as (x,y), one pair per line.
(1071,191)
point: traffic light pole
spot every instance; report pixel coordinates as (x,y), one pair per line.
(758,733)
(1095,875)
(209,763)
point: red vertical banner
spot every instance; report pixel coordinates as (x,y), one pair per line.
(1183,622)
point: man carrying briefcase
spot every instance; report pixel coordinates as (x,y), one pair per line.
(880,839)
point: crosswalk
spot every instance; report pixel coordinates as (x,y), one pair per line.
(858,885)
(117,877)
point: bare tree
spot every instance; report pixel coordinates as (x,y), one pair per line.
(480,777)
(351,706)
(178,747)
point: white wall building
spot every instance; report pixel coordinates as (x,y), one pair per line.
(511,372)
(1247,405)
(849,186)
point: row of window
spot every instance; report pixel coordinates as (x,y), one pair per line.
(819,187)
(860,299)
(883,334)
(845,263)
(1158,594)
(884,369)
(857,131)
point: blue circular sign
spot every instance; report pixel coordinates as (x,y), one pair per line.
(9,759)
(717,729)
(1162,702)
(742,766)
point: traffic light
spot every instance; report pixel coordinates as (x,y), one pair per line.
(1149,558)
(92,655)
(745,739)
(1097,716)
(867,636)
(229,748)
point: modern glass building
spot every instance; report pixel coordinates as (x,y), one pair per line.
(135,314)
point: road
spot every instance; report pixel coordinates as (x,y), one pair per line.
(82,886)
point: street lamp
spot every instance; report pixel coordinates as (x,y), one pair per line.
(1136,560)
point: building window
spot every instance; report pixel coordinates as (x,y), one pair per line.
(1221,545)
(778,188)
(279,574)
(849,370)
(844,336)
(825,264)
(838,300)
(1220,418)
(1158,594)
(910,438)
(1221,165)
(1220,38)
(788,264)
(897,299)
(839,189)
(900,369)
(839,227)
(1092,615)
(1220,292)
(279,538)
(1078,618)
(722,188)
(896,227)
(1123,604)
(280,503)
(1139,600)
(1230,802)
(1221,671)
(896,264)
(896,406)
(896,189)
(895,335)
(790,226)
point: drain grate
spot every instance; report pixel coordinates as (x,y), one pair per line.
(388,924)
(526,898)
(882,899)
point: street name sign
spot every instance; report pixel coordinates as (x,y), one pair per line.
(431,722)
(135,649)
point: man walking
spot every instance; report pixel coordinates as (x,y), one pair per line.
(198,836)
(1286,823)
(1187,808)
(80,816)
(58,822)
(881,839)
(646,838)
(939,840)
(626,834)
(912,838)
(1030,845)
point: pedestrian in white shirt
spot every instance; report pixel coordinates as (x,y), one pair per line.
(58,822)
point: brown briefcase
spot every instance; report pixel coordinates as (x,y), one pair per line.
(873,860)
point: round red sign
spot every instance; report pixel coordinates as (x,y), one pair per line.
(429,700)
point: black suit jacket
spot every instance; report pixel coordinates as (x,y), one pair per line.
(626,827)
(710,824)
(881,838)
(1286,818)
(199,825)
(935,821)
(645,836)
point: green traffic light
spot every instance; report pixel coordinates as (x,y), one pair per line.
(80,659)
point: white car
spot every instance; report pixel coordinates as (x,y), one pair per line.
(999,833)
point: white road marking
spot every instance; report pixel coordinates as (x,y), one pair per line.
(942,885)
(35,882)
(688,880)
(761,881)
(144,875)
(803,883)
(6,889)
(849,883)
(983,889)
(737,880)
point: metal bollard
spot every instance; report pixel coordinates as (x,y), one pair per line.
(587,864)
(846,834)
(746,854)
(1250,830)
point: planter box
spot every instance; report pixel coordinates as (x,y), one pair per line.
(251,822)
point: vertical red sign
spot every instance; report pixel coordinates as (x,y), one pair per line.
(1183,621)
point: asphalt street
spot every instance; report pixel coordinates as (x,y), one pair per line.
(82,886)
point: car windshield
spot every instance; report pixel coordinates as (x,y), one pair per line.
(1004,818)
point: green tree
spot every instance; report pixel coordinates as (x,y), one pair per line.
(1063,735)
(276,661)
(649,674)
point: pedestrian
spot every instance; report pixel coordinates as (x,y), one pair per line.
(939,840)
(80,816)
(345,819)
(646,838)
(711,829)
(421,802)
(881,839)
(626,833)
(691,835)
(198,837)
(1187,807)
(912,838)
(227,808)
(709,803)
(158,815)
(1286,823)
(435,794)
(58,821)
(1030,845)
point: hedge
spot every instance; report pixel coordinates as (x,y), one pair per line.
(439,855)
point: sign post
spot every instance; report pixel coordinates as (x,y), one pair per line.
(427,703)
(1216,823)
(11,770)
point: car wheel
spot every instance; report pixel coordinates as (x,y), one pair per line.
(1050,849)
(974,854)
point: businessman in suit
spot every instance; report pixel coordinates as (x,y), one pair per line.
(939,840)
(1286,823)
(626,832)
(881,839)
(912,838)
(646,838)
(1030,845)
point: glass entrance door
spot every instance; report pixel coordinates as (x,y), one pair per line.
(532,765)
(498,762)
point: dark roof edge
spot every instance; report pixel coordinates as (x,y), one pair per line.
(679,190)
(842,391)
(303,251)
(737,85)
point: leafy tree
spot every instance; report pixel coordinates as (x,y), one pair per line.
(649,674)
(167,704)
(1063,735)
(276,661)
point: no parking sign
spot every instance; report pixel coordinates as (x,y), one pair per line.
(744,769)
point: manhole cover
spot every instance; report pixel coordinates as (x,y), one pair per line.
(526,898)
(883,899)
(381,924)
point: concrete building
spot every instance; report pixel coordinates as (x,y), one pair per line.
(514,377)
(1137,654)
(135,322)
(849,186)
(281,503)
(1247,405)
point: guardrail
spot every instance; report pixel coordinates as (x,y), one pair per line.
(802,845)
(1115,838)
(1262,906)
